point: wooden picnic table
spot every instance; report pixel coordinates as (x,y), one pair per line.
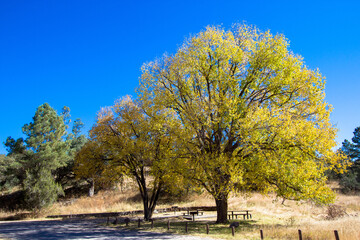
(244,213)
(197,212)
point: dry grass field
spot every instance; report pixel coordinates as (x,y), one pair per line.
(277,219)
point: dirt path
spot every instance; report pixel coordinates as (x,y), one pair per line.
(76,229)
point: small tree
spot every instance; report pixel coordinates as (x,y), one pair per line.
(138,140)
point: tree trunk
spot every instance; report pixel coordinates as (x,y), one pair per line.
(92,187)
(221,209)
(150,204)
(149,198)
(147,213)
(147,210)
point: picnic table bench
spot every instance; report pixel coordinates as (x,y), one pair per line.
(244,213)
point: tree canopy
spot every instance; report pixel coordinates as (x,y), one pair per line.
(135,139)
(45,138)
(253,115)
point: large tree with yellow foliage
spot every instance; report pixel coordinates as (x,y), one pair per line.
(253,116)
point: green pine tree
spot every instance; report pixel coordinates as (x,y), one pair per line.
(350,181)
(42,164)
(45,138)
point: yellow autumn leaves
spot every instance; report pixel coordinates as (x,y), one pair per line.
(231,110)
(244,96)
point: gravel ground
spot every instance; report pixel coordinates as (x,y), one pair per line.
(77,229)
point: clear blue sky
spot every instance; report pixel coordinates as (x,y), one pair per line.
(86,54)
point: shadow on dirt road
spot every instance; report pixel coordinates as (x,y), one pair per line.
(75,229)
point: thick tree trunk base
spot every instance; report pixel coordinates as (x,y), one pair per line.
(222,209)
(147,214)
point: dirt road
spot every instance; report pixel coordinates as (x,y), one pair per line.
(76,229)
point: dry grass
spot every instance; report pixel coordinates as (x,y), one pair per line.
(282,221)
(104,201)
(118,200)
(278,220)
(347,227)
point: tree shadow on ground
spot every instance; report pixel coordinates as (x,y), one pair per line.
(12,201)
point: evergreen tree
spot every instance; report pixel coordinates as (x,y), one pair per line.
(45,138)
(75,141)
(14,165)
(350,181)
(8,176)
(44,159)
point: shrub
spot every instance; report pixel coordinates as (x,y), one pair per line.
(335,212)
(349,182)
(40,189)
